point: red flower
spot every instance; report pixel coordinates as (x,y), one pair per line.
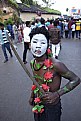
(37,100)
(48,63)
(48,75)
(45,87)
(42,110)
(35,111)
(33,87)
(49,51)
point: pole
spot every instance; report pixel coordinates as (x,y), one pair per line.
(23,66)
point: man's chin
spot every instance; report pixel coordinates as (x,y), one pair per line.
(37,56)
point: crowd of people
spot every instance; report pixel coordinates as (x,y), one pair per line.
(57,29)
(72,28)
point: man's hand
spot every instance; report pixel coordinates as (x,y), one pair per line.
(50,97)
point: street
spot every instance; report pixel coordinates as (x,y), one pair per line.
(15,85)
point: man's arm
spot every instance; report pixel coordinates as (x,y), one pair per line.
(63,71)
(74,80)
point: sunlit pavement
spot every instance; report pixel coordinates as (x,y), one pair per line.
(15,85)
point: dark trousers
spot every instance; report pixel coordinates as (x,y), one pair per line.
(26,47)
(73,34)
(66,34)
(4,47)
(77,33)
(70,33)
(51,113)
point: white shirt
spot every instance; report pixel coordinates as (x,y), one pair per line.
(26,33)
(73,27)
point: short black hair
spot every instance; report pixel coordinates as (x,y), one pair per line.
(27,23)
(40,30)
(56,22)
(1,24)
(42,20)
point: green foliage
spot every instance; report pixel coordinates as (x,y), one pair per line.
(13,3)
(26,5)
(16,18)
(8,21)
(51,10)
(12,19)
(28,2)
(0,12)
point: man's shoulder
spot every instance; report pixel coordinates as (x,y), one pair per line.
(57,63)
(27,30)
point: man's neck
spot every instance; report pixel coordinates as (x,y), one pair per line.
(41,59)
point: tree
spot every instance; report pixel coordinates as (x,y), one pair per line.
(49,2)
(28,2)
(67,9)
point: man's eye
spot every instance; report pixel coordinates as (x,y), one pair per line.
(34,41)
(42,42)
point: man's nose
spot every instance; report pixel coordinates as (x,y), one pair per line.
(38,45)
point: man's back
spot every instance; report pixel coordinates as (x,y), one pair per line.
(54,35)
(26,33)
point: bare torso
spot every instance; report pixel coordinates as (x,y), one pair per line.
(56,80)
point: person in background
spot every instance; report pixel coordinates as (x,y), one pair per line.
(32,25)
(70,22)
(48,73)
(77,28)
(15,31)
(26,32)
(4,42)
(66,28)
(61,24)
(55,39)
(51,25)
(73,30)
(42,21)
(10,29)
(20,33)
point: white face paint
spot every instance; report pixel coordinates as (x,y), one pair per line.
(38,45)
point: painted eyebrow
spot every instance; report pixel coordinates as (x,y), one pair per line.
(35,39)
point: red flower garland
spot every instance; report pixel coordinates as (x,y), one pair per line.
(48,75)
(49,51)
(48,63)
(33,87)
(37,100)
(47,78)
(45,87)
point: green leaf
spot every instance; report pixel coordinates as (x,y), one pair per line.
(39,109)
(37,76)
(49,80)
(42,106)
(51,66)
(34,108)
(36,90)
(45,80)
(44,67)
(38,65)
(40,93)
(32,61)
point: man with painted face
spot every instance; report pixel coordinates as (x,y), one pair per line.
(48,72)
